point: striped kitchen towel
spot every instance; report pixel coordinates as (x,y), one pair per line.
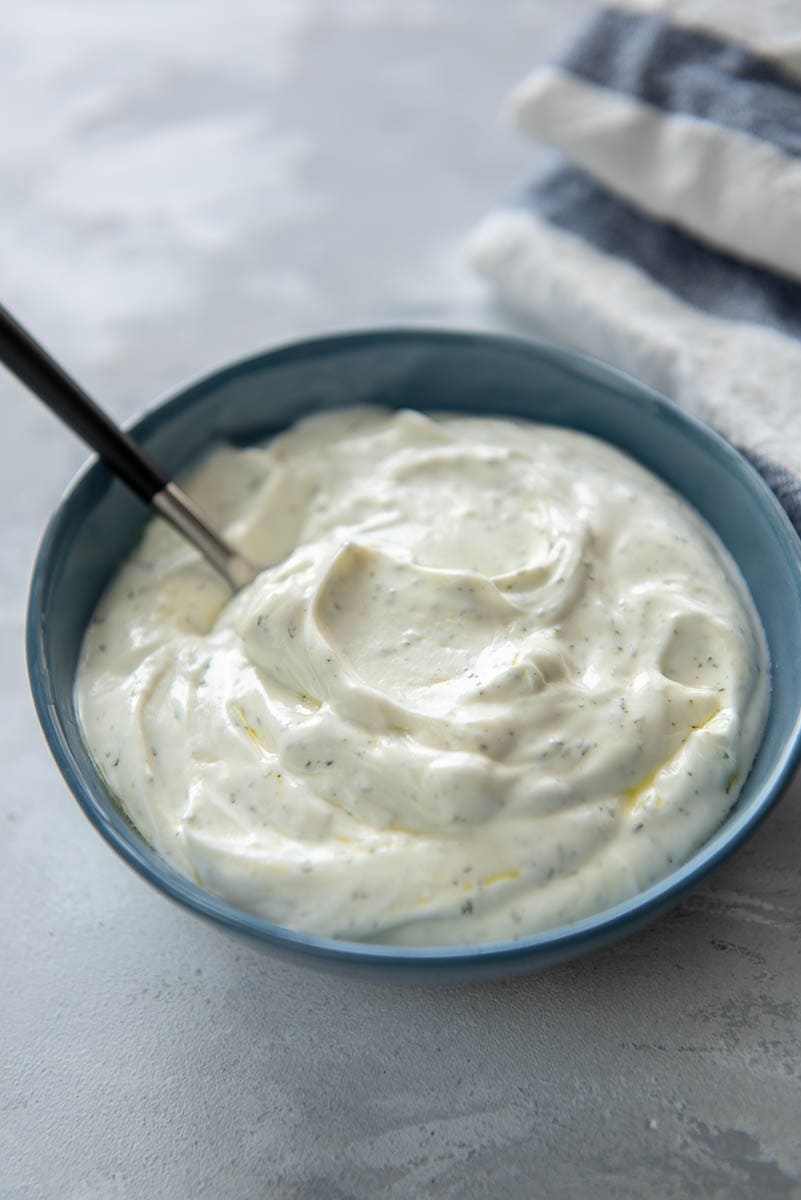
(667,238)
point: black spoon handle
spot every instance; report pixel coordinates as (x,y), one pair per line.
(31,363)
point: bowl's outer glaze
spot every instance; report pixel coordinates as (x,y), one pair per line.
(98,522)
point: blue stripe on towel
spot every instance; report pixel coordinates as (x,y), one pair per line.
(785,485)
(685,71)
(715,282)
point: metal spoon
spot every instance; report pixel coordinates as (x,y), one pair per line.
(31,363)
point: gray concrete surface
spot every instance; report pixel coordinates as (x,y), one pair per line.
(182,184)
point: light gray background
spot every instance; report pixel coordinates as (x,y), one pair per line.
(180,184)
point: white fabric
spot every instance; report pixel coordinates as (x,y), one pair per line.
(742,378)
(722,186)
(732,190)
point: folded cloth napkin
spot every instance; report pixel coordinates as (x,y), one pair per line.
(667,239)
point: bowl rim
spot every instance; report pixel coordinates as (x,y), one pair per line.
(603,925)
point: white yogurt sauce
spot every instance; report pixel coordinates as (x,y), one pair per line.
(500,677)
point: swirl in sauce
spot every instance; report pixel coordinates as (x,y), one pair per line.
(500,678)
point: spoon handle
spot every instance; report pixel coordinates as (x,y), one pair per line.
(34,367)
(31,363)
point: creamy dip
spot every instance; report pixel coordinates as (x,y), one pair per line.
(500,678)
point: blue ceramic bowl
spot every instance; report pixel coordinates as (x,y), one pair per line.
(98,522)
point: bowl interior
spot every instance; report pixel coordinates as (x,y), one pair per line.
(98,523)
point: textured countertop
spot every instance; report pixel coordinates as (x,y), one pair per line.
(182,184)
